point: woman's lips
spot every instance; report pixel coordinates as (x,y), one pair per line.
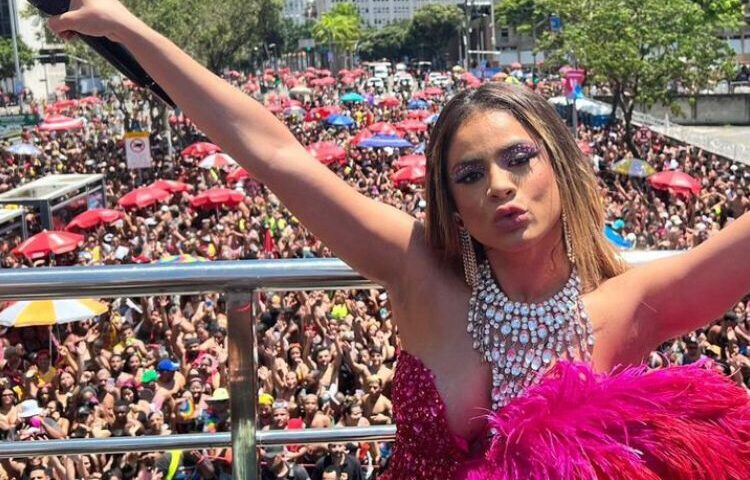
(512,221)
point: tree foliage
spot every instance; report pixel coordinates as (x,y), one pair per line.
(7,62)
(432,28)
(340,27)
(390,41)
(641,48)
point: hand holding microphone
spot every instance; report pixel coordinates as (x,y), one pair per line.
(97,23)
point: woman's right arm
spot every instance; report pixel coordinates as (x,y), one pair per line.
(373,238)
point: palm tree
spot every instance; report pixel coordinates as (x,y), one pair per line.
(339,28)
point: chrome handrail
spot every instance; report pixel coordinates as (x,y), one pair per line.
(192,441)
(240,281)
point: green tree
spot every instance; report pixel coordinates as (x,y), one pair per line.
(339,28)
(7,62)
(432,28)
(289,34)
(389,42)
(640,48)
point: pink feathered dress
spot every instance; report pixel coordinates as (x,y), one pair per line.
(682,423)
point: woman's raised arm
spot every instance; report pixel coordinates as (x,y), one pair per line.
(370,236)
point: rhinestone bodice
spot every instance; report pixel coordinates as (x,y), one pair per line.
(520,340)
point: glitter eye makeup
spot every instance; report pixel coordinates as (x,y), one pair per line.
(467,171)
(519,154)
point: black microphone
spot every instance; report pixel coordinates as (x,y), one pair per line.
(115,53)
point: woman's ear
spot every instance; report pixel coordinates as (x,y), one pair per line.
(457,220)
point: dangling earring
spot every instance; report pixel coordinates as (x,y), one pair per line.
(468,257)
(568,239)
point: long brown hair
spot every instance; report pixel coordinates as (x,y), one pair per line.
(596,259)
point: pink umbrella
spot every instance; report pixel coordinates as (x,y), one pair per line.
(675,182)
(143,197)
(318,114)
(63,104)
(47,242)
(171,186)
(412,125)
(415,160)
(327,152)
(413,174)
(217,160)
(238,174)
(216,197)
(93,218)
(200,149)
(59,123)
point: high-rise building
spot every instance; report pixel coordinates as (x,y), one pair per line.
(41,79)
(379,13)
(297,10)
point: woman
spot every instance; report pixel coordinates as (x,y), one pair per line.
(511,203)
(8,413)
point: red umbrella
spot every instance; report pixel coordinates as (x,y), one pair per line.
(324,72)
(390,102)
(93,218)
(274,108)
(418,114)
(415,160)
(63,105)
(60,123)
(234,73)
(384,128)
(322,82)
(91,100)
(327,152)
(47,242)
(238,174)
(217,160)
(171,186)
(200,149)
(143,197)
(215,197)
(412,174)
(433,91)
(251,87)
(675,182)
(357,72)
(412,125)
(344,73)
(321,113)
(362,135)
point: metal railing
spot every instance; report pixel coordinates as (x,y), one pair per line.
(240,281)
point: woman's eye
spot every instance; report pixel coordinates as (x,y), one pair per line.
(469,177)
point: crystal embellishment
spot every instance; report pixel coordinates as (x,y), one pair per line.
(521,341)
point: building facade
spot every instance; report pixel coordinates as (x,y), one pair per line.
(379,13)
(40,79)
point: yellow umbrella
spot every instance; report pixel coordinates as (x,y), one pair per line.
(50,312)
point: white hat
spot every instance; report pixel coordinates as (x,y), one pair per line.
(29,408)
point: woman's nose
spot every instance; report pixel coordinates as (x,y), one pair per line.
(501,185)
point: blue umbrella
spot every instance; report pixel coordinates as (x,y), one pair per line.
(416,105)
(24,149)
(383,141)
(615,238)
(420,148)
(352,97)
(340,120)
(431,119)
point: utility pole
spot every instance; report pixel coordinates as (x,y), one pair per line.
(18,80)
(465,36)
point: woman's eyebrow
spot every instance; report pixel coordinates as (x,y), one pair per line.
(478,160)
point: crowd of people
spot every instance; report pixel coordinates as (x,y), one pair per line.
(159,365)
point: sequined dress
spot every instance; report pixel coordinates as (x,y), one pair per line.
(425,448)
(686,423)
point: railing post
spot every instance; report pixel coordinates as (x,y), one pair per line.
(243,384)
